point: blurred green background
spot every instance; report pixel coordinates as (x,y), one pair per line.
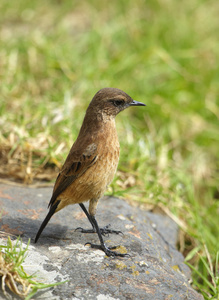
(55,55)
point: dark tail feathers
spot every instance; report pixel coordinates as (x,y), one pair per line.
(48,217)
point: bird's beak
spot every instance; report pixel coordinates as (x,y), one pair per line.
(136,103)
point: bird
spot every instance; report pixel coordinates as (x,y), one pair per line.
(91,163)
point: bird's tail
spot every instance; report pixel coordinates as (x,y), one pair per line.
(47,218)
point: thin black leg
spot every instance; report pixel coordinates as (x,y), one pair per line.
(88,216)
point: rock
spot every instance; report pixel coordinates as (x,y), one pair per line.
(154,270)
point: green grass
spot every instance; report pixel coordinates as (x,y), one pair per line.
(55,55)
(12,272)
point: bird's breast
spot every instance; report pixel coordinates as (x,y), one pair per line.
(100,175)
(105,167)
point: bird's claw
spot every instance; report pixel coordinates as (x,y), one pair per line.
(107,250)
(80,229)
(106,231)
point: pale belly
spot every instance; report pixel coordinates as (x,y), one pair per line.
(93,183)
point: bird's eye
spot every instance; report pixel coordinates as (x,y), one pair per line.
(118,102)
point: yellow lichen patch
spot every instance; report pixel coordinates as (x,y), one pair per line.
(150,236)
(147,272)
(135,273)
(122,249)
(175,268)
(103,267)
(121,265)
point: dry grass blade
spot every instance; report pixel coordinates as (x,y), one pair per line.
(26,163)
(12,279)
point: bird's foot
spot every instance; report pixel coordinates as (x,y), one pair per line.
(104,231)
(107,250)
(85,230)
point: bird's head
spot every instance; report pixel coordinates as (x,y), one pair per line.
(110,101)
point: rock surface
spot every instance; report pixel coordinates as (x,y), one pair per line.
(154,270)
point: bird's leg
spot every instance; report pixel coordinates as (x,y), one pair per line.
(90,220)
(102,246)
(104,231)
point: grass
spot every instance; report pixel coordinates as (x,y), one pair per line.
(55,55)
(209,288)
(13,275)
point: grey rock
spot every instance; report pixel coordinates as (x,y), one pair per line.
(154,270)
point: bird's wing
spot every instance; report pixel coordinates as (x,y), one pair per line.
(75,165)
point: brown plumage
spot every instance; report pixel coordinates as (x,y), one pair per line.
(92,161)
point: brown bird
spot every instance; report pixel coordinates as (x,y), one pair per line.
(92,162)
